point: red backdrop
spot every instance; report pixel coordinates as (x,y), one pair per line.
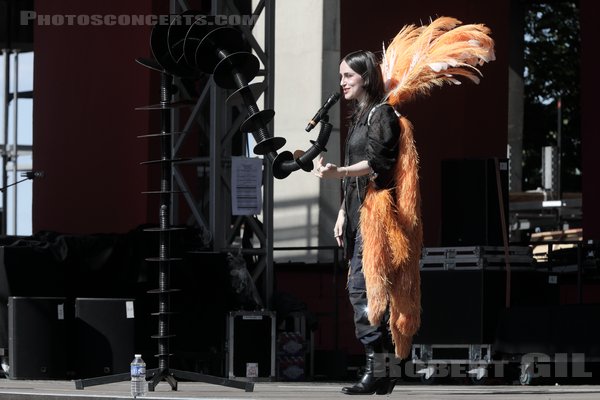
(87,86)
(590,135)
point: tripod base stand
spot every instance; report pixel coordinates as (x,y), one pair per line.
(80,384)
(168,375)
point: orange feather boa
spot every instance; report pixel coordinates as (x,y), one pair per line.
(390,223)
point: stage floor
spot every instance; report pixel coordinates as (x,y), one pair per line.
(55,390)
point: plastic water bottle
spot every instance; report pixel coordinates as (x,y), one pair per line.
(139,387)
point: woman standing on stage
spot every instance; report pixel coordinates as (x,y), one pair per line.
(370,156)
(379,222)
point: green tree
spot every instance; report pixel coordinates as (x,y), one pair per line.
(552,76)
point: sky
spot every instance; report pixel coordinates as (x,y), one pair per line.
(24,137)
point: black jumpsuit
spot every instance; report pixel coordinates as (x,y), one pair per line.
(374,139)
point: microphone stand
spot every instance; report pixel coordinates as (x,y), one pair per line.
(3,189)
(28,175)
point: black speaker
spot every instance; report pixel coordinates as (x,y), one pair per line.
(464,306)
(460,306)
(37,338)
(105,330)
(470,202)
(27,269)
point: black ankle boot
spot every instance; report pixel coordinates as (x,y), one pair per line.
(368,383)
(387,384)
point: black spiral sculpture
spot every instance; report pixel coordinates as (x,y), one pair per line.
(192,45)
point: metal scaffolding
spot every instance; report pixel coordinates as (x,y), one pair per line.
(11,152)
(218,122)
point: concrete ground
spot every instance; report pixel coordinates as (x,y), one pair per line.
(55,390)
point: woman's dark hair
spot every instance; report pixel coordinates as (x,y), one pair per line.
(366,64)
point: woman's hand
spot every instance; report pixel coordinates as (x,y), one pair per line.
(328,170)
(338,228)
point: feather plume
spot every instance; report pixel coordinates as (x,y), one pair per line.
(420,58)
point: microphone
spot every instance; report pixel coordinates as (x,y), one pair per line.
(33,174)
(335,96)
